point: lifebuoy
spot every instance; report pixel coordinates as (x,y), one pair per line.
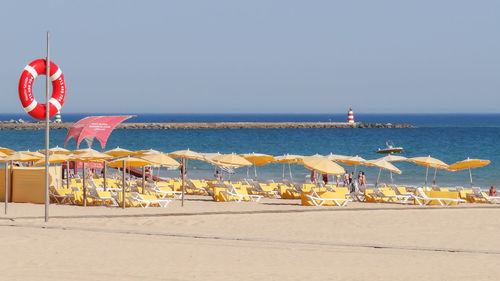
(30,105)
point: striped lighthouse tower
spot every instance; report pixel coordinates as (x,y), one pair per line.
(350,116)
(58,117)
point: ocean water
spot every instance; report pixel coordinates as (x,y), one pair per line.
(450,137)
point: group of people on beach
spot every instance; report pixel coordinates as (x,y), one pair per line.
(349,180)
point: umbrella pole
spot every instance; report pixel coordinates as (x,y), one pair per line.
(355,167)
(470,176)
(248,168)
(435,172)
(183,168)
(255,170)
(6,185)
(426,173)
(283,171)
(392,180)
(290,169)
(378,177)
(67,175)
(143,178)
(104,175)
(123,187)
(84,187)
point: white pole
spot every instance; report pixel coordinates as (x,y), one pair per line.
(47,128)
(378,177)
(6,185)
(426,173)
(123,186)
(435,172)
(470,176)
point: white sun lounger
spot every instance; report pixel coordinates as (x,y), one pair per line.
(422,199)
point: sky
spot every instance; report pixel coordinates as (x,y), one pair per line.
(259,56)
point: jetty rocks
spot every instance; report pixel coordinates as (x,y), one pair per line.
(25,125)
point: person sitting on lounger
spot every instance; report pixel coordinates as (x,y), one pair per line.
(493,191)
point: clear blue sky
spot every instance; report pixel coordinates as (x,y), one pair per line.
(259,56)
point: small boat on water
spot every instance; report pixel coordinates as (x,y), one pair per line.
(389,148)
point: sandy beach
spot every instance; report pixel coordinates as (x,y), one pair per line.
(272,240)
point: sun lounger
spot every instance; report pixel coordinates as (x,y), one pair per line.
(337,198)
(422,199)
(145,201)
(232,194)
(480,195)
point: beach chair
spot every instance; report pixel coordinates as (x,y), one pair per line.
(480,195)
(232,194)
(337,198)
(145,201)
(60,195)
(422,199)
(102,197)
(163,193)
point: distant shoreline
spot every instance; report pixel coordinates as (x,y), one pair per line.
(8,125)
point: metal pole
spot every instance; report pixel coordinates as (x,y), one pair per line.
(84,187)
(255,170)
(104,175)
(143,178)
(67,175)
(426,173)
(6,185)
(435,172)
(47,128)
(378,177)
(183,168)
(290,170)
(470,176)
(123,189)
(283,171)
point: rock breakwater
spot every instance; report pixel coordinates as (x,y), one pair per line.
(16,125)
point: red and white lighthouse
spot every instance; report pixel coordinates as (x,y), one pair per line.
(350,116)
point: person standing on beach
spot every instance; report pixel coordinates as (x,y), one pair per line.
(313,176)
(346,178)
(337,178)
(351,186)
(325,178)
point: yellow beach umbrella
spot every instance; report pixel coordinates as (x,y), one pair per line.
(56,150)
(6,150)
(287,159)
(337,157)
(21,157)
(84,150)
(322,165)
(119,152)
(468,164)
(54,158)
(186,154)
(144,151)
(353,161)
(429,162)
(34,153)
(91,156)
(257,159)
(2,155)
(160,159)
(128,162)
(232,159)
(393,158)
(382,164)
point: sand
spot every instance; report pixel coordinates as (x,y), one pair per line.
(272,240)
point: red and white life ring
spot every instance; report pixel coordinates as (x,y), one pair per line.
(30,105)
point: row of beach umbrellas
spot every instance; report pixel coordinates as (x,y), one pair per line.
(324,164)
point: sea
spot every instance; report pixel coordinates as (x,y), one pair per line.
(448,137)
